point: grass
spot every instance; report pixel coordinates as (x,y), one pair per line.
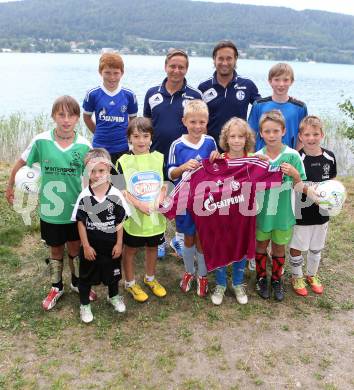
(180,342)
(16,132)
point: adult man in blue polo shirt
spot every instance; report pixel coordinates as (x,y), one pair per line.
(226,93)
(164,104)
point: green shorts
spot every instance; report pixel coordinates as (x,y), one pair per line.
(280,237)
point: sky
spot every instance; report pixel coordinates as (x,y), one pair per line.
(340,6)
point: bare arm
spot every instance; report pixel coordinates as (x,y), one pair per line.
(117,249)
(89,252)
(144,207)
(91,125)
(10,193)
(187,166)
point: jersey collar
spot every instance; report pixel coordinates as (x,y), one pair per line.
(111,93)
(163,90)
(233,81)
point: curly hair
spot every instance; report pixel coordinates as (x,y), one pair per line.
(244,128)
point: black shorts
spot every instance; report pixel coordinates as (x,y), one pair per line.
(138,242)
(103,269)
(56,235)
(114,159)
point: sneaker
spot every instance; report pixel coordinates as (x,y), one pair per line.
(177,246)
(118,303)
(218,294)
(186,282)
(252,264)
(156,288)
(86,313)
(240,293)
(202,286)
(262,288)
(161,250)
(278,290)
(51,299)
(92,295)
(137,292)
(315,283)
(299,286)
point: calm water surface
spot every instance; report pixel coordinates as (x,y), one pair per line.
(31,82)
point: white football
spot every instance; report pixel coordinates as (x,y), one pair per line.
(27,179)
(332,195)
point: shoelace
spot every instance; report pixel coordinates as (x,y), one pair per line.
(241,289)
(299,283)
(219,290)
(316,280)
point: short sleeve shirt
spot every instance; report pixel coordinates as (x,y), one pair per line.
(112,111)
(101,217)
(293,110)
(61,173)
(276,206)
(166,112)
(318,169)
(225,103)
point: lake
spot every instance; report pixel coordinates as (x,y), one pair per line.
(31,81)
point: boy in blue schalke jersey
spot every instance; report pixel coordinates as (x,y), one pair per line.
(226,93)
(113,107)
(186,154)
(280,78)
(164,104)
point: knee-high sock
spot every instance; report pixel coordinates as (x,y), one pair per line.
(188,259)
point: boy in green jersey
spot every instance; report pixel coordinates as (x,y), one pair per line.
(276,218)
(143,174)
(60,154)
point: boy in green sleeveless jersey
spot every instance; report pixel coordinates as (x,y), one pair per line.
(60,154)
(143,174)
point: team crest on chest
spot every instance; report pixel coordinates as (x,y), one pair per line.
(110,208)
(235,185)
(123,108)
(326,169)
(240,95)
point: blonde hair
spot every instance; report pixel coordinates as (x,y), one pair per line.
(176,52)
(274,116)
(244,128)
(280,69)
(111,60)
(195,106)
(311,120)
(98,155)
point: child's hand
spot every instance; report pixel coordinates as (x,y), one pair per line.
(289,170)
(10,195)
(116,251)
(312,194)
(191,164)
(214,155)
(145,208)
(263,157)
(89,253)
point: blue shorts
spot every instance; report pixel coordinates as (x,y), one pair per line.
(185,224)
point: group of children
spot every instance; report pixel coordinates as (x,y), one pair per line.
(102,225)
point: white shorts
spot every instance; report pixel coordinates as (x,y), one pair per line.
(307,237)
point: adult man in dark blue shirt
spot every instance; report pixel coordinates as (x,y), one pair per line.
(226,93)
(164,103)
